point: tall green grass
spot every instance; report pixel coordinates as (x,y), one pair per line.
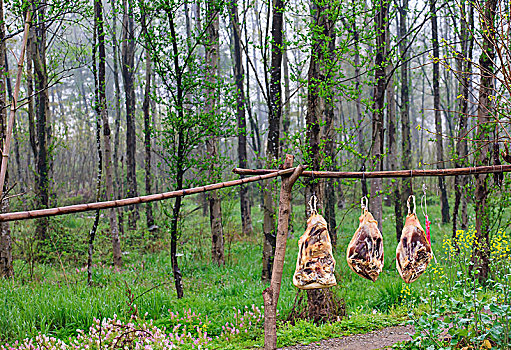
(53,300)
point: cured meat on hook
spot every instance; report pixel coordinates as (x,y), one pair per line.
(413,252)
(365,251)
(315,264)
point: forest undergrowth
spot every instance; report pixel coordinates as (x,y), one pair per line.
(51,305)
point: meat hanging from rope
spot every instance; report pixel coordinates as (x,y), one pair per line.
(413,252)
(315,264)
(365,251)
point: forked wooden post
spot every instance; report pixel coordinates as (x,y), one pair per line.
(271,294)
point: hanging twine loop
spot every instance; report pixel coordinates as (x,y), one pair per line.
(424,200)
(412,197)
(364,204)
(313,205)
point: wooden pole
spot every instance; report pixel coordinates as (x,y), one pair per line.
(23,215)
(391,174)
(14,102)
(271,294)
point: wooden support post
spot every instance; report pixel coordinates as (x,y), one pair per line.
(271,294)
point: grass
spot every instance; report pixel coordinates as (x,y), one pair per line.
(54,299)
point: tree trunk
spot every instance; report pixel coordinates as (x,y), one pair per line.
(395,184)
(464,65)
(117,97)
(406,140)
(147,127)
(178,277)
(180,170)
(273,141)
(319,142)
(99,84)
(6,269)
(330,184)
(128,77)
(246,218)
(320,106)
(358,104)
(438,117)
(485,129)
(42,127)
(215,204)
(107,145)
(375,200)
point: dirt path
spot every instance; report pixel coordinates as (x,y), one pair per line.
(375,340)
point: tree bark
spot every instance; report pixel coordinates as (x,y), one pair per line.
(375,200)
(485,129)
(215,203)
(271,294)
(128,77)
(358,104)
(319,117)
(6,269)
(42,128)
(246,217)
(180,166)
(464,66)
(395,185)
(273,141)
(406,139)
(117,123)
(330,185)
(320,138)
(147,127)
(107,145)
(438,117)
(99,81)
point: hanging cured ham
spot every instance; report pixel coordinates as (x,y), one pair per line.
(365,251)
(315,264)
(413,252)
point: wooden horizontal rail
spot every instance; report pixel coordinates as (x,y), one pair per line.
(390,174)
(77,208)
